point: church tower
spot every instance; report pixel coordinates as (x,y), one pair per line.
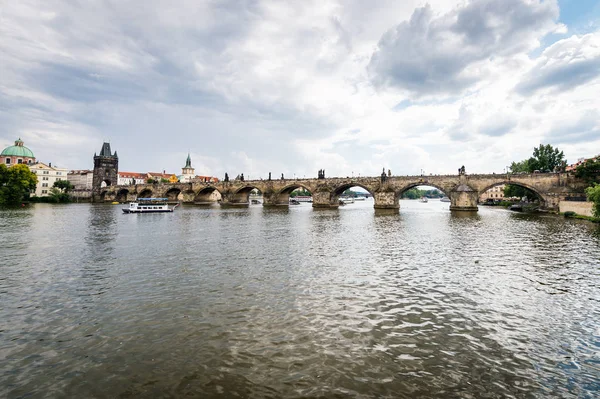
(106,169)
(187,172)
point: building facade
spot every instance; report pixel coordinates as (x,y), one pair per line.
(47,175)
(17,154)
(81,179)
(494,193)
(131,178)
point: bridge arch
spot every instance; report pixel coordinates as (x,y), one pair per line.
(534,190)
(122,195)
(287,190)
(173,194)
(339,190)
(282,196)
(407,187)
(207,196)
(242,194)
(145,193)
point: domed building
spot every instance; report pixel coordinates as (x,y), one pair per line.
(16,154)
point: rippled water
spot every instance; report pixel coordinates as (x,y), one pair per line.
(257,302)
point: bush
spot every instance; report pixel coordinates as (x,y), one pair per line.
(569,214)
(593,195)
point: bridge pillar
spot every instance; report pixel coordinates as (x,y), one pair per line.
(386,200)
(271,198)
(234,199)
(322,199)
(464,198)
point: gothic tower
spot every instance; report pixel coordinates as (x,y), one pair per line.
(106,169)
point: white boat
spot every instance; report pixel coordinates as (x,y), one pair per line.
(423,199)
(149,205)
(346,200)
(360,199)
(445,199)
(303,198)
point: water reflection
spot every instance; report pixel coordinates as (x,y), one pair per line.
(270,302)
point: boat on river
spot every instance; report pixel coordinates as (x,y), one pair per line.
(423,199)
(346,200)
(149,205)
(445,199)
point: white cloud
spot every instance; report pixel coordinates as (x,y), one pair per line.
(432,54)
(292,87)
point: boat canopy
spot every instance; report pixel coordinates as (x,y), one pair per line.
(152,199)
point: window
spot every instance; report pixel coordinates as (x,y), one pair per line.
(44,191)
(19,161)
(58,179)
(46,172)
(8,161)
(58,173)
(45,178)
(44,184)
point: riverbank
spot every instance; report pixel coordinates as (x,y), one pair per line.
(573,215)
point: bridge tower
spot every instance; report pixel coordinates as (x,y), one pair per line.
(106,169)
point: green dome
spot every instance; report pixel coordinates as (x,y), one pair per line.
(17,150)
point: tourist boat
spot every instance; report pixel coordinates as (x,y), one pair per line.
(294,201)
(445,199)
(346,200)
(149,205)
(423,199)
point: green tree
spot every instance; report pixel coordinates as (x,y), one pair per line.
(593,195)
(547,159)
(520,167)
(64,185)
(16,183)
(300,192)
(589,170)
(56,195)
(412,193)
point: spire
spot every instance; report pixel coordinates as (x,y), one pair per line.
(188,161)
(105,151)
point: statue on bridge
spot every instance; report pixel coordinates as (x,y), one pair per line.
(269,176)
(226,177)
(242,177)
(383,176)
(461,170)
(321,174)
(282,178)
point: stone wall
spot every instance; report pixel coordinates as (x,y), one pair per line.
(579,207)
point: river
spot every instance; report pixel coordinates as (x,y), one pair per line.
(297,303)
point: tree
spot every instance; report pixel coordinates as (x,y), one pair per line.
(589,170)
(593,195)
(64,185)
(520,167)
(56,195)
(547,159)
(513,190)
(16,183)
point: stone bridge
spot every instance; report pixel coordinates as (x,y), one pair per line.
(463,190)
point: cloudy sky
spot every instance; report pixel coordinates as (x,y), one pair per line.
(291,87)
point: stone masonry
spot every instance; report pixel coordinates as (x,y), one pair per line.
(463,190)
